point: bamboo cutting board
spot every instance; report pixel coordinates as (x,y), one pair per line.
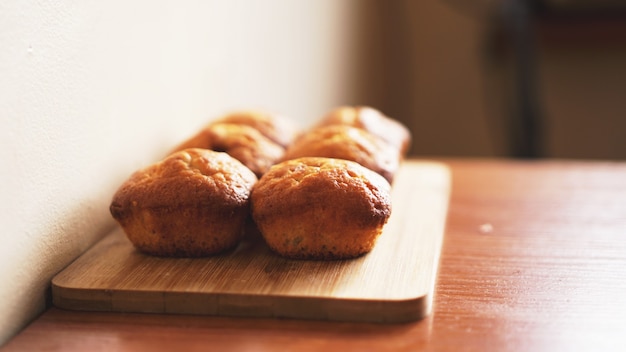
(393,283)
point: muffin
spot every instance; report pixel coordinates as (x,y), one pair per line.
(320,208)
(349,143)
(276,128)
(193,203)
(372,121)
(242,142)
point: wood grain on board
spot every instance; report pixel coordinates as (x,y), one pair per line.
(393,283)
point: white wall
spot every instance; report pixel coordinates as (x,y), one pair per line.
(92,90)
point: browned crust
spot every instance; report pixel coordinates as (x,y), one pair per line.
(277,128)
(349,143)
(373,121)
(242,142)
(193,203)
(321,208)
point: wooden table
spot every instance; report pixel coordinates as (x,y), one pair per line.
(534,259)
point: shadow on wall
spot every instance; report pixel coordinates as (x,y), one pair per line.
(510,78)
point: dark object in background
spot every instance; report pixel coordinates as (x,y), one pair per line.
(514,33)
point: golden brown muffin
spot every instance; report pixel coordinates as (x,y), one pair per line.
(321,208)
(193,203)
(277,128)
(373,121)
(242,142)
(349,143)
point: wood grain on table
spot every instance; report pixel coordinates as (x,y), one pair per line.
(534,259)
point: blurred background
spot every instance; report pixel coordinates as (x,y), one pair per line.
(91,91)
(512,78)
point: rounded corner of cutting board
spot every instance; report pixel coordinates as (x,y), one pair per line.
(73,297)
(398,311)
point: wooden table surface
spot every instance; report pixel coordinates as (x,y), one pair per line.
(534,259)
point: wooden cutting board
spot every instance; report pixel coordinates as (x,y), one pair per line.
(393,283)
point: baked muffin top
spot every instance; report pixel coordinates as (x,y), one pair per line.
(277,128)
(373,121)
(242,142)
(188,178)
(349,143)
(357,193)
